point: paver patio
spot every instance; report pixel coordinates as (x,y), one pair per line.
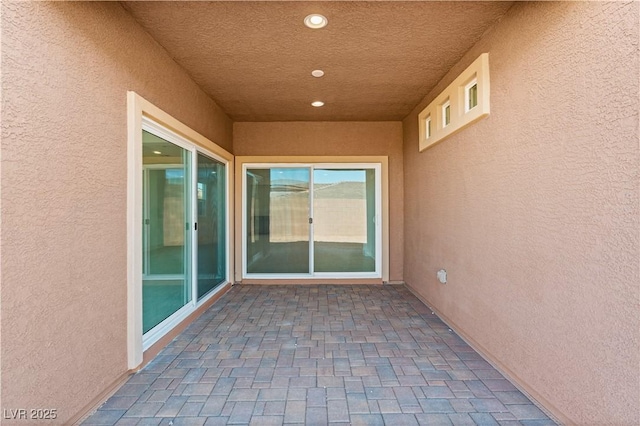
(271,355)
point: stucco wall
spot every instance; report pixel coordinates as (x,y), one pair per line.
(66,68)
(534,211)
(335,139)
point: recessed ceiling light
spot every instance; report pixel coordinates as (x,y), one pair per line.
(315,21)
(157,152)
(317,73)
(317,104)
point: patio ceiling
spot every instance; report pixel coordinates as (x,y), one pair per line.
(255,58)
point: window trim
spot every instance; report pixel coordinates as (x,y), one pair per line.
(467,95)
(443,110)
(456,94)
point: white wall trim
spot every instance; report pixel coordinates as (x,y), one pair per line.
(134,240)
(456,97)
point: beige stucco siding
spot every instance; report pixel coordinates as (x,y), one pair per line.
(533,211)
(66,69)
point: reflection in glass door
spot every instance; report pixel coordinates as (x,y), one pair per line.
(277,215)
(316,220)
(166,233)
(344,237)
(211,195)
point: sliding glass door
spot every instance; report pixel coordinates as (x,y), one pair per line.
(311,220)
(166,283)
(184,241)
(344,237)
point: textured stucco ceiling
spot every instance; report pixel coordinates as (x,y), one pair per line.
(255,58)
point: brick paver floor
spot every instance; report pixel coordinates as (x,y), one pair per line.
(272,355)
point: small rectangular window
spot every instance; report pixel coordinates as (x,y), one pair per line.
(471,95)
(428,127)
(446,113)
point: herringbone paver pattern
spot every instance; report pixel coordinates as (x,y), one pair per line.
(361,355)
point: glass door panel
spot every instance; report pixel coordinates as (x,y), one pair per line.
(166,283)
(277,214)
(344,227)
(211,193)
